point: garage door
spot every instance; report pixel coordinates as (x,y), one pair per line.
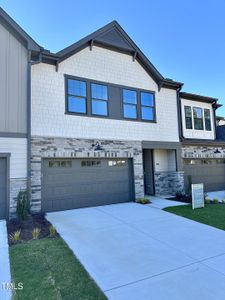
(2,188)
(75,183)
(211,172)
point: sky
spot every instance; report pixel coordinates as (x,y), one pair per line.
(185,40)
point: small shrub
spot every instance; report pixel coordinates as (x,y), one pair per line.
(215,201)
(143,201)
(52,231)
(207,201)
(36,233)
(15,236)
(179,195)
(223,201)
(22,205)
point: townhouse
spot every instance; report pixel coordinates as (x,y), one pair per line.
(96,123)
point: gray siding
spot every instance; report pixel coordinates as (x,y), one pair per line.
(13,84)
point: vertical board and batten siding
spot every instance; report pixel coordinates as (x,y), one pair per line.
(48,99)
(13,84)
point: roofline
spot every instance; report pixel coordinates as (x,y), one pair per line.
(19,33)
(198,142)
(196,97)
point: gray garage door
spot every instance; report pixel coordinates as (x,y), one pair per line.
(211,172)
(2,188)
(75,183)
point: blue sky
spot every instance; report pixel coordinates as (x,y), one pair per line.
(185,40)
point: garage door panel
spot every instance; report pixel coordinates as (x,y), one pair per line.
(85,182)
(211,175)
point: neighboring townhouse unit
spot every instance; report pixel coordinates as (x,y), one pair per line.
(16,48)
(203,154)
(96,123)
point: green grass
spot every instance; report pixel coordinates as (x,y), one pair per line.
(49,271)
(212,214)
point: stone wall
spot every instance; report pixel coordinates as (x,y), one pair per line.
(48,147)
(16,185)
(203,152)
(168,183)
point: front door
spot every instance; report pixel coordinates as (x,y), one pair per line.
(148,171)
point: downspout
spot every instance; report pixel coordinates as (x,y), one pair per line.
(214,116)
(180,125)
(29,99)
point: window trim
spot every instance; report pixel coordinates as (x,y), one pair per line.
(103,100)
(136,105)
(188,117)
(67,95)
(207,119)
(154,106)
(197,107)
(88,102)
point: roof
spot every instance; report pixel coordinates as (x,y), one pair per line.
(113,36)
(17,31)
(198,142)
(196,97)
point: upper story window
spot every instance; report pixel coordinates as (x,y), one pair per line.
(198,118)
(129,104)
(207,119)
(188,117)
(147,106)
(76,96)
(99,99)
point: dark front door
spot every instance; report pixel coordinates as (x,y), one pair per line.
(2,188)
(148,171)
(75,183)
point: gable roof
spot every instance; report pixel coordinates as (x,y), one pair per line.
(17,31)
(113,36)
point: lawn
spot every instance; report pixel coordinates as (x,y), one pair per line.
(211,214)
(49,271)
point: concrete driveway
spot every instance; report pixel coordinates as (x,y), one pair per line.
(141,252)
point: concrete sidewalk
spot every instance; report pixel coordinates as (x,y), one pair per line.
(5,276)
(138,252)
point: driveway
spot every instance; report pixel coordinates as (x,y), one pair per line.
(141,252)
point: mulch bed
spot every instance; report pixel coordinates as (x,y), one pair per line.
(27,226)
(184,199)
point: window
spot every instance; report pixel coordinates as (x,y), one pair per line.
(99,99)
(60,164)
(90,163)
(76,96)
(147,106)
(188,117)
(198,118)
(207,119)
(116,163)
(129,104)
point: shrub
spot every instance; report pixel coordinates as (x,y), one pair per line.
(223,201)
(52,231)
(207,201)
(36,233)
(15,237)
(143,201)
(22,205)
(179,195)
(215,201)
